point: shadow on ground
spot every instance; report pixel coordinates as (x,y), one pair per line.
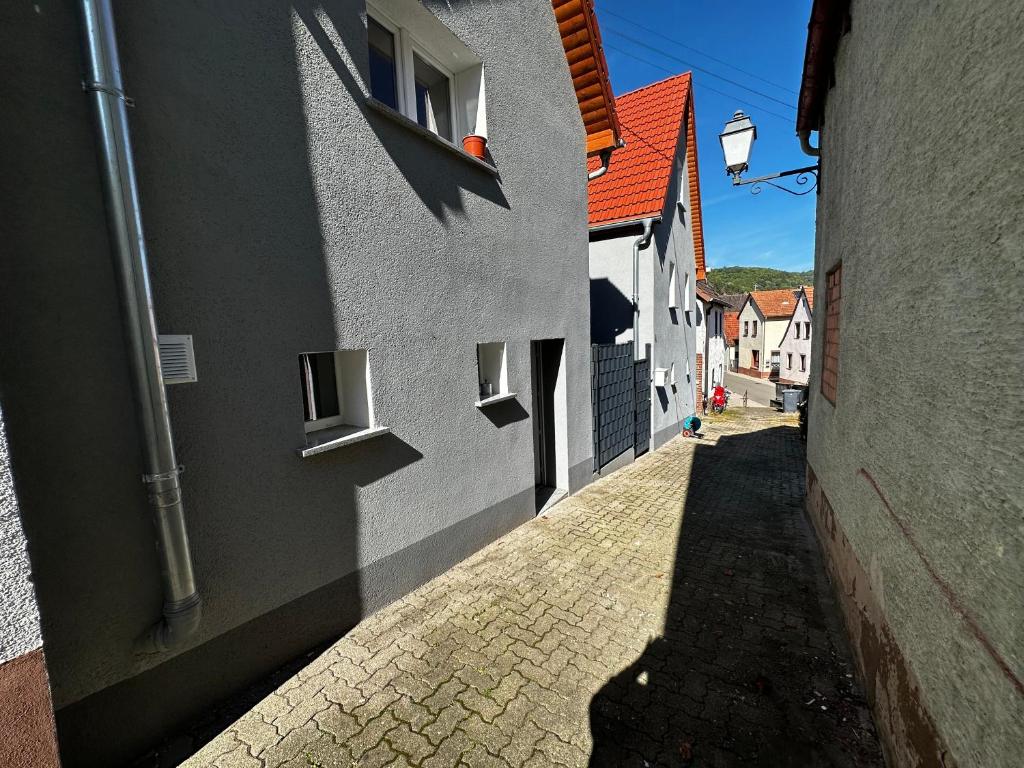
(752,667)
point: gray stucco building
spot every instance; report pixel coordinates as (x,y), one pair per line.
(647,253)
(339,263)
(914,460)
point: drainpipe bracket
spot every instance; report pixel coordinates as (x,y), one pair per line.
(172,474)
(117,93)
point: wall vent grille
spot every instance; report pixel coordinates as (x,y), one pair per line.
(177,360)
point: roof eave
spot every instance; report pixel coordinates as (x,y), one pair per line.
(827,23)
(584,52)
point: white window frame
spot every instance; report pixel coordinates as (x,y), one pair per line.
(339,421)
(406,45)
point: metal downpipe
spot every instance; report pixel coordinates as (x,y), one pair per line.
(182,605)
(606,158)
(805,144)
(641,241)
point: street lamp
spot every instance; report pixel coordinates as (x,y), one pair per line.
(737,140)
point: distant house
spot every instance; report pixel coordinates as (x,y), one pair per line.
(712,352)
(763,321)
(795,357)
(646,256)
(735,302)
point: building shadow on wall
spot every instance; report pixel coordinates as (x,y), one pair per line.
(752,667)
(437,177)
(237,259)
(611,312)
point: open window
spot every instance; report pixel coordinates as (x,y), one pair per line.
(492,373)
(420,69)
(337,399)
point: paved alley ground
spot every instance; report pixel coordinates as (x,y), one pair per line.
(674,613)
(760,392)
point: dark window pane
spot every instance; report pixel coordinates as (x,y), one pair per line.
(433,103)
(325,385)
(319,386)
(383,80)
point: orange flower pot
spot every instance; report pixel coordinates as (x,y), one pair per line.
(475,145)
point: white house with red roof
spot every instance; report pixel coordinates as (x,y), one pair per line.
(712,352)
(763,321)
(795,358)
(647,250)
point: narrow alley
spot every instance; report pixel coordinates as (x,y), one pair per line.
(673,613)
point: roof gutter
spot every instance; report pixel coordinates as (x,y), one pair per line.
(182,606)
(630,223)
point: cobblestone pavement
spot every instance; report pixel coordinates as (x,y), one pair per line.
(674,613)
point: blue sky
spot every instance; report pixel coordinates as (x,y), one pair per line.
(758,40)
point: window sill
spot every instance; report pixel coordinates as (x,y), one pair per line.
(495,399)
(397,117)
(338,437)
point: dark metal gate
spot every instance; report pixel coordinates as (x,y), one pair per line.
(612,400)
(642,399)
(621,402)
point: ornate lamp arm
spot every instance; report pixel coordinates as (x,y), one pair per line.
(801,179)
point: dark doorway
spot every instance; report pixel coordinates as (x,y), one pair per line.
(545,364)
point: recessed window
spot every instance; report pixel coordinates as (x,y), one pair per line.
(419,68)
(807,330)
(492,369)
(796,330)
(746,327)
(686,292)
(336,390)
(789,361)
(803,362)
(673,287)
(754,334)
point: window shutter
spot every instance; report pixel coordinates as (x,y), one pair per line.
(177,359)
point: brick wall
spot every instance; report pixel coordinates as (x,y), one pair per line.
(699,386)
(830,358)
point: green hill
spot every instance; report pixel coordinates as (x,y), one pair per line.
(743,279)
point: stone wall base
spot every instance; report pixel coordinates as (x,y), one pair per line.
(908,733)
(27,735)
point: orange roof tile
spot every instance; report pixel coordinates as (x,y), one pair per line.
(581,40)
(639,176)
(809,290)
(779,303)
(732,327)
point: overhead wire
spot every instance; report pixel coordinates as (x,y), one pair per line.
(699,52)
(760,110)
(703,70)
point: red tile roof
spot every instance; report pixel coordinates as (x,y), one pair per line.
(732,327)
(779,303)
(809,290)
(639,176)
(581,40)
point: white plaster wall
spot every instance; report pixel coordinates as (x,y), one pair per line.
(791,345)
(19,616)
(716,358)
(749,342)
